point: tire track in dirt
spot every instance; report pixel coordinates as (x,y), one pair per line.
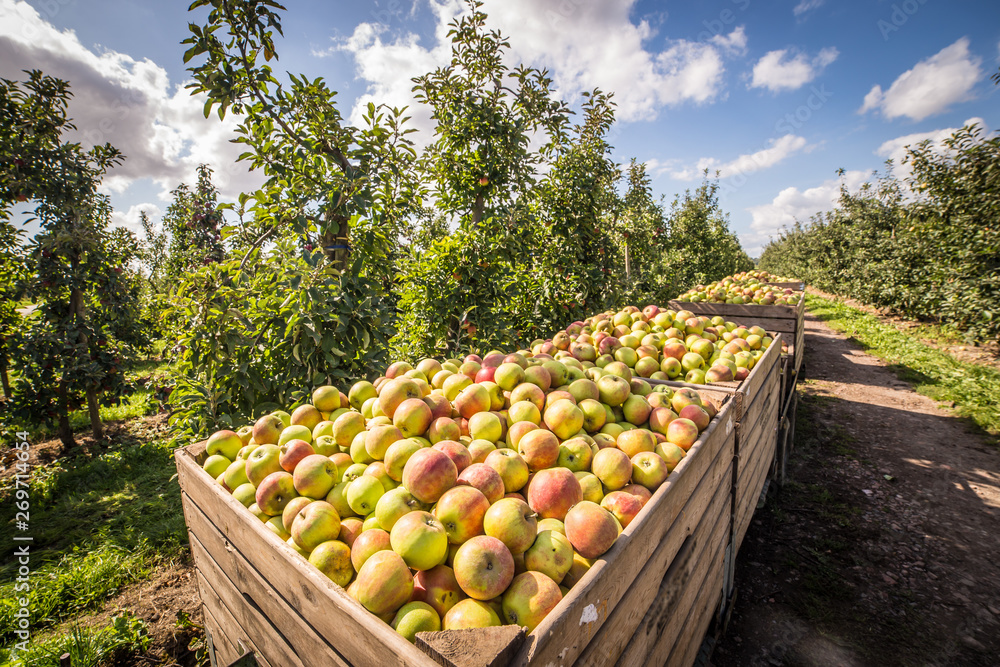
(883,548)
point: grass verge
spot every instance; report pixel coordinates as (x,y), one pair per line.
(973,389)
(98,524)
(87,647)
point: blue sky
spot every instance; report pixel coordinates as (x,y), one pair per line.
(776,95)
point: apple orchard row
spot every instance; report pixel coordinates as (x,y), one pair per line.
(477,492)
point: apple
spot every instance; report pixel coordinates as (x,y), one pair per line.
(682,432)
(551,492)
(524,411)
(443,428)
(428,473)
(366,544)
(613,467)
(363,494)
(591,529)
(575,454)
(624,506)
(454,384)
(527,391)
(613,389)
(394,392)
(393,504)
(517,431)
(346,427)
(635,441)
(414,617)
(412,417)
(384,583)
(294,506)
(539,449)
(484,567)
(513,522)
(486,426)
(670,453)
(420,539)
(293,451)
(235,475)
(315,523)
(398,454)
(216,464)
(511,467)
(529,599)
(350,528)
(684,397)
(226,443)
(551,554)
(564,418)
(696,414)
(479,450)
(660,418)
(461,510)
(378,438)
(484,478)
(470,613)
(333,558)
(295,432)
(267,430)
(245,493)
(262,462)
(438,587)
(314,476)
(308,415)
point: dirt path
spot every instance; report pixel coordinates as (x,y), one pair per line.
(884,547)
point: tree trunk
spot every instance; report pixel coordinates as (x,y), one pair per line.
(477,209)
(93,406)
(628,265)
(337,247)
(4,380)
(65,432)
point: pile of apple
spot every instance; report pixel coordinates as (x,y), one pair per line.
(660,344)
(469,493)
(743,288)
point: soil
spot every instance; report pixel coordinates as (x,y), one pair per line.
(881,549)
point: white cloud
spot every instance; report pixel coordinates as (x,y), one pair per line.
(930,87)
(735,43)
(130,219)
(807,6)
(895,149)
(584,44)
(777,150)
(792,204)
(130,103)
(785,70)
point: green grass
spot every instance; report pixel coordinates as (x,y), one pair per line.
(138,404)
(98,525)
(974,389)
(87,647)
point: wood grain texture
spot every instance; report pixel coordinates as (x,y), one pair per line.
(480,647)
(356,634)
(234,628)
(658,597)
(702,590)
(217,563)
(565,632)
(749,486)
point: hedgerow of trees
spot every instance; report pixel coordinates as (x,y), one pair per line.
(933,253)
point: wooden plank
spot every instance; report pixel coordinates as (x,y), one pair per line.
(656,596)
(760,405)
(761,370)
(217,563)
(565,632)
(229,625)
(707,505)
(359,636)
(749,487)
(700,619)
(736,310)
(225,651)
(796,285)
(698,592)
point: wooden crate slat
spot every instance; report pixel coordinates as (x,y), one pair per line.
(665,570)
(748,490)
(656,597)
(700,618)
(219,563)
(228,622)
(225,650)
(699,593)
(361,637)
(564,633)
(733,311)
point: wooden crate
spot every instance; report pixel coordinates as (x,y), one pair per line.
(787,320)
(756,443)
(786,437)
(257,590)
(797,285)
